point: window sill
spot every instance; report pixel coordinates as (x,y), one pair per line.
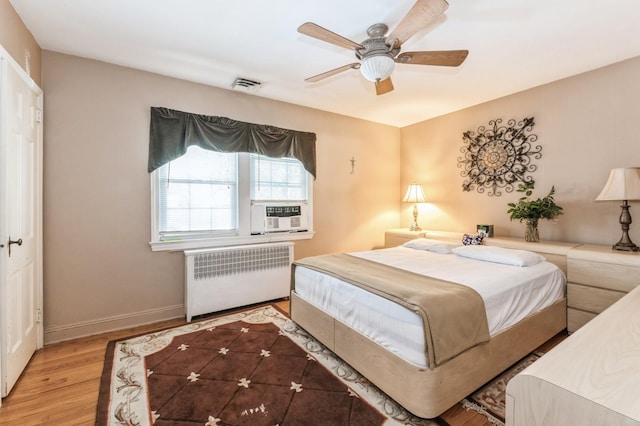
(229,241)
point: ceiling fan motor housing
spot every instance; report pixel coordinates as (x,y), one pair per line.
(376,44)
(376,55)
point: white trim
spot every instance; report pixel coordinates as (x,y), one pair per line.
(60,333)
(5,57)
(155,207)
(229,241)
(21,72)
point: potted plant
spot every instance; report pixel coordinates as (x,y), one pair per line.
(533,210)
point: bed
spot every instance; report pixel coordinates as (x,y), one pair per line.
(524,308)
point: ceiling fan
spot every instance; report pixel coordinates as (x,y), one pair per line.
(379,53)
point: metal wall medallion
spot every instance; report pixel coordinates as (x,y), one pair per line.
(498,156)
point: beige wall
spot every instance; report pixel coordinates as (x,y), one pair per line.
(586,125)
(99,271)
(16,39)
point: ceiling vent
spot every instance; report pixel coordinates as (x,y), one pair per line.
(246,85)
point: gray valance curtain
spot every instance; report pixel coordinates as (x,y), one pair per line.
(172,132)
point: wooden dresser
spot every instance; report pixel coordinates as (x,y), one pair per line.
(591,378)
(597,277)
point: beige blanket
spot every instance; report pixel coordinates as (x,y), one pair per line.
(454,315)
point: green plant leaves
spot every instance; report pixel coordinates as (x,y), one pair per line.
(527,209)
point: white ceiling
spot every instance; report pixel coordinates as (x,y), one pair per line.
(513,44)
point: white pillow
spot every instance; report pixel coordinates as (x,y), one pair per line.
(430,245)
(500,255)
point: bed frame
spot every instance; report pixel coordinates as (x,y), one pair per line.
(430,392)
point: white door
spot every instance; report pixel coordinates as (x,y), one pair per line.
(20,221)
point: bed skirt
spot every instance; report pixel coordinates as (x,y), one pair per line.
(430,392)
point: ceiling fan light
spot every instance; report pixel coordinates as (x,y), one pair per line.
(377,67)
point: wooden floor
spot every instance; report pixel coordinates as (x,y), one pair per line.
(60,384)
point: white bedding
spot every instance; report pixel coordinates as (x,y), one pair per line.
(510,294)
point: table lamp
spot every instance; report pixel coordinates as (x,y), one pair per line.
(415,195)
(623,185)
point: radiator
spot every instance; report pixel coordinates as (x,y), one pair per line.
(228,277)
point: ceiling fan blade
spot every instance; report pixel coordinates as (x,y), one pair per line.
(326,74)
(418,17)
(447,58)
(316,31)
(384,86)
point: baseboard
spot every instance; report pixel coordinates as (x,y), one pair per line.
(60,333)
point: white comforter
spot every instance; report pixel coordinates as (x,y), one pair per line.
(510,293)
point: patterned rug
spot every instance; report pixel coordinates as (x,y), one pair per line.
(254,367)
(490,400)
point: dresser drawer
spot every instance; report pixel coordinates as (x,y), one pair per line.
(610,276)
(576,319)
(397,237)
(395,240)
(591,299)
(559,260)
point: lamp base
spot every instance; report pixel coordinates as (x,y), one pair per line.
(625,247)
(414,227)
(625,243)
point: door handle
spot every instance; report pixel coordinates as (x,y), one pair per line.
(18,242)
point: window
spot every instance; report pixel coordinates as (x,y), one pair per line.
(203,198)
(198,194)
(277,179)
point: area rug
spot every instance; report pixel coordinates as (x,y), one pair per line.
(490,400)
(254,367)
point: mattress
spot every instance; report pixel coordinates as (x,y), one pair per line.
(510,294)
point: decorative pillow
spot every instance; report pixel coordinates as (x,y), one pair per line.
(472,240)
(500,255)
(430,245)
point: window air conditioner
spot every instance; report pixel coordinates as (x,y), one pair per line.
(279,217)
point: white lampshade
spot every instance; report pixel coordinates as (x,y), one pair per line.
(414,194)
(377,67)
(623,184)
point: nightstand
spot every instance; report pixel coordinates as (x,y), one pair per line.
(397,237)
(597,278)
